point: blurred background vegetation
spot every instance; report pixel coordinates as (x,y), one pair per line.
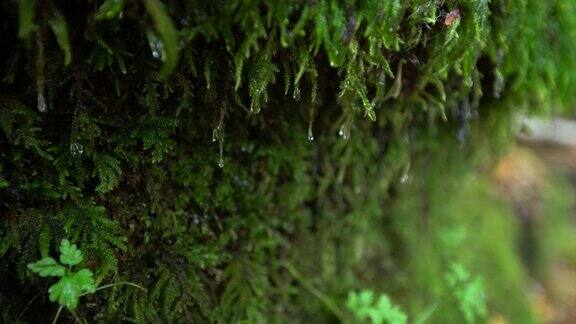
(309,161)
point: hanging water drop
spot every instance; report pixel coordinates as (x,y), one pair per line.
(76,149)
(296,94)
(41,102)
(404,178)
(311,114)
(157,47)
(155,53)
(215,134)
(218,134)
(406,174)
(40,65)
(310,135)
(344,131)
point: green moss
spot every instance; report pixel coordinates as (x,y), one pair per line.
(174,147)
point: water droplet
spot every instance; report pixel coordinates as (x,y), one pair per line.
(344,131)
(310,135)
(406,174)
(405,177)
(296,94)
(41,102)
(76,149)
(215,134)
(357,189)
(157,47)
(221,163)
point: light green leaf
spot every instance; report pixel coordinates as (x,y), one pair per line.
(47,267)
(69,253)
(66,291)
(60,28)
(84,280)
(168,34)
(110,9)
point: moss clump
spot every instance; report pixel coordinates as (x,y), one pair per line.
(171,141)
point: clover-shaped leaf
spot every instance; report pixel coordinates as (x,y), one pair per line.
(47,267)
(69,253)
(68,290)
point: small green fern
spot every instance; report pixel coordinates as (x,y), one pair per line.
(469,292)
(364,306)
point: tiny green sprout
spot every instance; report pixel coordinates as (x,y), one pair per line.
(72,285)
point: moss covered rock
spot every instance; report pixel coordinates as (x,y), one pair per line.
(255,161)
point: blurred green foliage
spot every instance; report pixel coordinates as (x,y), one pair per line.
(171,141)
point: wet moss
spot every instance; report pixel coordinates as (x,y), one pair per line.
(170,141)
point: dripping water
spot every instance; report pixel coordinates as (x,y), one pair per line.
(407,168)
(312,114)
(310,135)
(296,94)
(41,101)
(40,65)
(157,47)
(405,174)
(218,135)
(344,130)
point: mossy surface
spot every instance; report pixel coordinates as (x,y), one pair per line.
(254,161)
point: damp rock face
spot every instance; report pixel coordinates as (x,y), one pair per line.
(256,161)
